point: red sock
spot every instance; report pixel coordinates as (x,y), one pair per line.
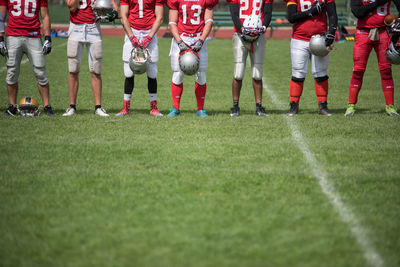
(200,92)
(321,90)
(355,86)
(176,91)
(387,86)
(295,90)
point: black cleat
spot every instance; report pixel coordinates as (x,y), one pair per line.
(323,109)
(260,111)
(235,111)
(11,111)
(294,109)
(48,111)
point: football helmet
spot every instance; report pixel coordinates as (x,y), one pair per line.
(189,62)
(317,45)
(251,28)
(138,60)
(101,8)
(28,107)
(393,53)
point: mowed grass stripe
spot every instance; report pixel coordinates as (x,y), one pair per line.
(371,255)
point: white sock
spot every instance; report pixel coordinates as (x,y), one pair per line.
(153,97)
(127,97)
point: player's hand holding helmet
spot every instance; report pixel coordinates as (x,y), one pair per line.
(28,107)
(316,8)
(138,60)
(251,27)
(183,46)
(318,45)
(3,47)
(197,45)
(46,49)
(146,41)
(135,42)
(101,9)
(189,62)
(393,52)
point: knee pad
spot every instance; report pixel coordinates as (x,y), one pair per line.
(257,72)
(299,80)
(127,70)
(96,50)
(72,54)
(200,78)
(386,74)
(41,77)
(152,70)
(238,71)
(177,77)
(321,79)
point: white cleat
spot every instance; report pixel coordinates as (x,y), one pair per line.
(101,112)
(69,112)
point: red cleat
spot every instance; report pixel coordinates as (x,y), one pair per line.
(126,109)
(154,110)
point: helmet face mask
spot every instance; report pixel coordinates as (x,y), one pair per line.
(101,8)
(393,53)
(138,60)
(251,24)
(189,62)
(317,45)
(28,107)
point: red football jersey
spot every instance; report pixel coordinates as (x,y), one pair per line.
(84,13)
(249,7)
(303,30)
(141,12)
(23,17)
(191,13)
(374,19)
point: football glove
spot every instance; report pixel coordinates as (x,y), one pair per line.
(3,47)
(316,8)
(46,49)
(113,15)
(183,46)
(197,45)
(146,41)
(395,28)
(134,40)
(262,30)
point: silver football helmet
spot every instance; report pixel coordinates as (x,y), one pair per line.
(189,62)
(28,107)
(251,26)
(138,60)
(317,45)
(101,8)
(393,54)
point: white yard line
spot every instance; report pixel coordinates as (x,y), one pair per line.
(27,60)
(370,254)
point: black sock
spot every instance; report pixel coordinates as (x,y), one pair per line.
(152,85)
(236,104)
(72,106)
(129,84)
(259,105)
(97,106)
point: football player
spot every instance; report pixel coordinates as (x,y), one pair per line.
(309,17)
(190,23)
(251,19)
(371,34)
(141,21)
(84,29)
(23,37)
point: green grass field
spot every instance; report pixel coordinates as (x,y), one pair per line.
(187,191)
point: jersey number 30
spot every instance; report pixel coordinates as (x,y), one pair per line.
(29,8)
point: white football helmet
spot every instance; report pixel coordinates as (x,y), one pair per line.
(393,54)
(101,8)
(251,24)
(28,107)
(317,45)
(189,62)
(139,60)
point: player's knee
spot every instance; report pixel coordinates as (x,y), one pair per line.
(299,73)
(41,77)
(152,70)
(96,50)
(238,72)
(257,72)
(73,65)
(321,79)
(358,74)
(11,78)
(127,70)
(299,80)
(200,78)
(96,67)
(386,74)
(177,77)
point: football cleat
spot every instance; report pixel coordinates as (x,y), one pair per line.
(235,111)
(69,112)
(260,111)
(201,113)
(351,108)
(125,109)
(101,112)
(323,109)
(391,111)
(174,112)
(294,109)
(48,111)
(11,111)
(154,110)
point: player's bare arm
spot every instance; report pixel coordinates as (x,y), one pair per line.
(73,5)
(124,13)
(208,20)
(3,12)
(359,10)
(115,6)
(44,13)
(173,27)
(158,12)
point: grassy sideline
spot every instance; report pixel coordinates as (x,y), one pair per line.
(220,191)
